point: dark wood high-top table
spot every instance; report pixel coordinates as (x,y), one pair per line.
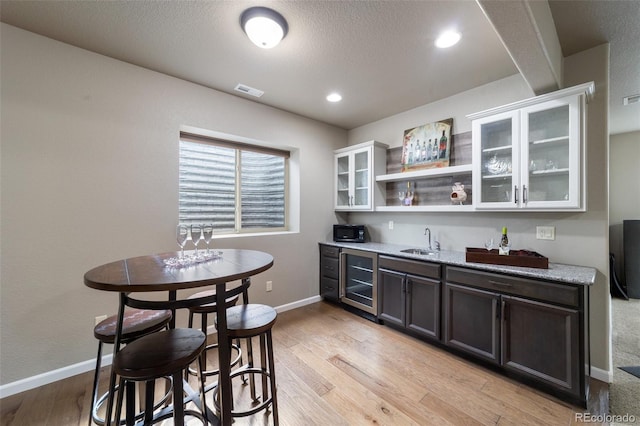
(149,274)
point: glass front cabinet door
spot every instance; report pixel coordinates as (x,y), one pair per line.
(532,157)
(355,170)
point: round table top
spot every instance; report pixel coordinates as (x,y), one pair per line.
(149,273)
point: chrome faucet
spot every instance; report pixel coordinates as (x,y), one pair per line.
(427,230)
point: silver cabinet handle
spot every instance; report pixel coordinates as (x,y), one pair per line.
(524,194)
(515,194)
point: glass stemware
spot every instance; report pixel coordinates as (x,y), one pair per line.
(207,234)
(488,244)
(401,196)
(182,233)
(196,235)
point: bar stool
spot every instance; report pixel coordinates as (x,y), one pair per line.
(246,322)
(204,310)
(165,353)
(136,323)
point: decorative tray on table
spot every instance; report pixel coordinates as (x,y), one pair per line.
(524,258)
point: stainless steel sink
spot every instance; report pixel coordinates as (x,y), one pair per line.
(420,252)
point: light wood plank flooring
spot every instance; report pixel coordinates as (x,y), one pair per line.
(335,368)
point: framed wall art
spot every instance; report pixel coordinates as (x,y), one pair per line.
(427,146)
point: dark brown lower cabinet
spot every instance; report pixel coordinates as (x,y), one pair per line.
(472,321)
(407,300)
(329,272)
(537,330)
(541,341)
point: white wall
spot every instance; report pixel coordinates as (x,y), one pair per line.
(89,151)
(581,238)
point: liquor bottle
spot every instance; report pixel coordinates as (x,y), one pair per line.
(423,153)
(434,154)
(410,154)
(443,145)
(429,148)
(416,154)
(504,246)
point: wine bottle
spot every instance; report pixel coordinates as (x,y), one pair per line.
(423,153)
(443,145)
(504,246)
(416,154)
(429,148)
(410,154)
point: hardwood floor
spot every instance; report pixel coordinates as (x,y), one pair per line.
(335,368)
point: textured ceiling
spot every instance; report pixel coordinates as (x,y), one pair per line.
(378,54)
(582,25)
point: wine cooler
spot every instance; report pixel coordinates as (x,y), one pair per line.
(358,279)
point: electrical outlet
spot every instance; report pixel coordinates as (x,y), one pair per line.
(99,319)
(545,232)
(390,225)
(269,285)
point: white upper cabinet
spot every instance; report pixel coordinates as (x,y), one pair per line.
(530,154)
(355,169)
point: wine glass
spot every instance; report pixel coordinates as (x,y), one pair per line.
(488,244)
(196,235)
(182,232)
(401,196)
(409,199)
(207,234)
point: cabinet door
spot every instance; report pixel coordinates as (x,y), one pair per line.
(354,179)
(343,181)
(496,164)
(362,179)
(551,154)
(423,306)
(472,321)
(391,285)
(542,341)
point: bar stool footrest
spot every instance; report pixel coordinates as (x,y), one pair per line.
(100,420)
(208,373)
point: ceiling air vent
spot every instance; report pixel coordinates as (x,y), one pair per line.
(628,100)
(242,88)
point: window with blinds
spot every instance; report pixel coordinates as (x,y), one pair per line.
(237,187)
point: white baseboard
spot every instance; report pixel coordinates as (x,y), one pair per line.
(51,376)
(602,375)
(33,382)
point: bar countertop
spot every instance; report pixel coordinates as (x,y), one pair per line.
(571,274)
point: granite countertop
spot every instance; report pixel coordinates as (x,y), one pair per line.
(559,272)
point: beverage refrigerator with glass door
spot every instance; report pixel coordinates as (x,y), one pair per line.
(358,279)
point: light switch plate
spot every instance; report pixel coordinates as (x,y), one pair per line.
(390,225)
(545,232)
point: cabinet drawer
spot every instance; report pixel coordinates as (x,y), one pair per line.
(330,267)
(424,269)
(330,251)
(329,288)
(562,294)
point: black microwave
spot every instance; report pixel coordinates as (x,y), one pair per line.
(348,233)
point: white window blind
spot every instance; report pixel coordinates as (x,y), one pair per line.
(236,187)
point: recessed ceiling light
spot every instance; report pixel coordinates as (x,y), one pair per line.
(334,97)
(447,39)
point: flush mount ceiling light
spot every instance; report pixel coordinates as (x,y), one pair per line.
(264,27)
(447,39)
(334,97)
